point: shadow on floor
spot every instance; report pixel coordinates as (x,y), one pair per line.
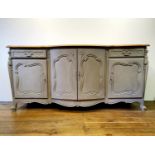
(120,105)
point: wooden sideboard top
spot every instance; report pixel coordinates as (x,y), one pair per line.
(75,45)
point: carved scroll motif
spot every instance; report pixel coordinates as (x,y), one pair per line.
(63,90)
(126,90)
(83,79)
(18,80)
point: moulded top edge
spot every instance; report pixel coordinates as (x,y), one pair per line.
(76,45)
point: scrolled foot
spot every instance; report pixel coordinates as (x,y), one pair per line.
(14,107)
(143,108)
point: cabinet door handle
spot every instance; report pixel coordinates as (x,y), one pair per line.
(79,75)
(111,77)
(45,80)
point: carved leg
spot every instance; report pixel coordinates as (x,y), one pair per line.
(14,106)
(142,106)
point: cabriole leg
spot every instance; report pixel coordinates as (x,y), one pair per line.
(142,106)
(14,106)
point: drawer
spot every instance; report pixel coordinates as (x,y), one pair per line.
(126,52)
(28,53)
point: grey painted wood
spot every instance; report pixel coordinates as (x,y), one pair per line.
(127,52)
(30,78)
(126,78)
(64,73)
(78,76)
(28,53)
(91,73)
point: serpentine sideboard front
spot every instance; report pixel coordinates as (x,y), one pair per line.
(78,75)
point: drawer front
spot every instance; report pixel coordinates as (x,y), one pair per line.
(126,52)
(28,53)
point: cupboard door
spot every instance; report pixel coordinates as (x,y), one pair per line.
(91,73)
(30,78)
(64,73)
(126,78)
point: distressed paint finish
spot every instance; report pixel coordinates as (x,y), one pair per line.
(78,75)
(126,78)
(91,73)
(63,73)
(30,78)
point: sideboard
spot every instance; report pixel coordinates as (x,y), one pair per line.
(78,75)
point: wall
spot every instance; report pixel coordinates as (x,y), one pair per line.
(76,31)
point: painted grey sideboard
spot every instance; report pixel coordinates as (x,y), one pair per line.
(78,75)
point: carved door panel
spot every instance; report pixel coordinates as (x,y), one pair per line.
(64,73)
(91,67)
(30,78)
(126,78)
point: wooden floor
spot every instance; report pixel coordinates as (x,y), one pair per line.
(118,119)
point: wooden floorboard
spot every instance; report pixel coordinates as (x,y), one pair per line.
(101,120)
